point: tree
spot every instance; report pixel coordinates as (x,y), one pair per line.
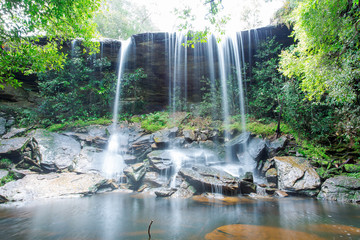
(122,19)
(326,57)
(214,17)
(25,23)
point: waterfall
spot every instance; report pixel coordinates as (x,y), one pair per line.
(113,163)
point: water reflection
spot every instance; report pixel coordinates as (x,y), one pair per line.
(120,216)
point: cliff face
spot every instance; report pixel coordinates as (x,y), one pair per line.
(163,58)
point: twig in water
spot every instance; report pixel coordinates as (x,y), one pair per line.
(149,229)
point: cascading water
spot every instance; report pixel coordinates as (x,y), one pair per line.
(113,163)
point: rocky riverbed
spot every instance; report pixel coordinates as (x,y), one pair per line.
(175,163)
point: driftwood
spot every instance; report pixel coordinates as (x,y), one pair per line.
(149,228)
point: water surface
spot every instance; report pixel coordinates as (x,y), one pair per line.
(127,216)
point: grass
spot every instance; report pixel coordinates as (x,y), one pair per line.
(8,178)
(78,123)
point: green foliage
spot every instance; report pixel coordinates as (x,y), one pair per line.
(133,91)
(122,19)
(216,22)
(25,23)
(77,92)
(8,178)
(310,120)
(211,97)
(78,123)
(155,121)
(5,163)
(265,88)
(326,57)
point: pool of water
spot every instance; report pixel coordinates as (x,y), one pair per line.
(127,216)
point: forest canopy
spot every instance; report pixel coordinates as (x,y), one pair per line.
(24,23)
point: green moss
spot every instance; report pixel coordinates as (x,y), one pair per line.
(5,163)
(78,123)
(155,121)
(352,168)
(8,178)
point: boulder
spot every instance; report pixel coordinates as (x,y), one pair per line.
(210,179)
(105,185)
(3,199)
(185,191)
(2,126)
(165,192)
(189,135)
(248,177)
(57,151)
(257,149)
(90,159)
(3,173)
(153,179)
(164,137)
(141,147)
(277,145)
(238,143)
(160,161)
(271,175)
(135,174)
(342,189)
(296,175)
(14,132)
(247,187)
(13,148)
(52,185)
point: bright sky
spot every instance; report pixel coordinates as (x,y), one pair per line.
(163,17)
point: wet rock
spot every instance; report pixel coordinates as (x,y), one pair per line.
(247,187)
(57,151)
(141,147)
(257,149)
(14,132)
(296,175)
(267,165)
(189,135)
(271,175)
(281,194)
(185,191)
(52,185)
(135,174)
(160,161)
(243,231)
(152,179)
(178,142)
(90,159)
(129,159)
(105,185)
(210,179)
(2,126)
(3,173)
(164,137)
(13,148)
(3,199)
(341,188)
(164,192)
(248,177)
(238,142)
(277,145)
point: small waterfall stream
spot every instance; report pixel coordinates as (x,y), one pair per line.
(113,164)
